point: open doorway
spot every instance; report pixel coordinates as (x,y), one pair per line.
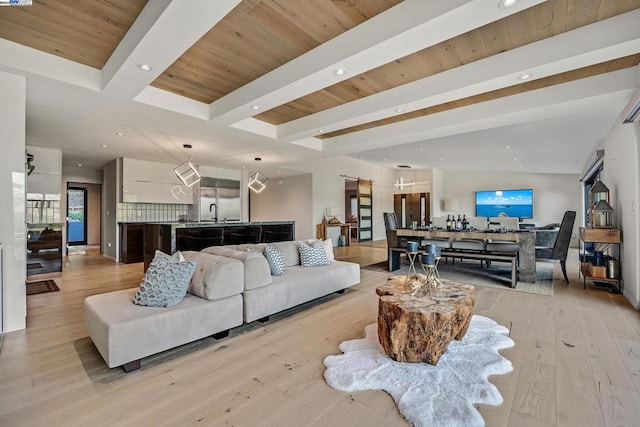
(358,208)
(83,218)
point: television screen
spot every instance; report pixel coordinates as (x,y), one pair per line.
(514,203)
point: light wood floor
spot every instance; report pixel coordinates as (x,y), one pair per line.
(576,361)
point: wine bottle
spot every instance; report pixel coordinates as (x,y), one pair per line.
(464,222)
(459,223)
(448,222)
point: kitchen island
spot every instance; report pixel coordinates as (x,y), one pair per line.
(170,237)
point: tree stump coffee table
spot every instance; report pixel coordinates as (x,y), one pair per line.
(419,329)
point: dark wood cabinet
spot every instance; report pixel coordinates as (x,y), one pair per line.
(411,207)
(131,243)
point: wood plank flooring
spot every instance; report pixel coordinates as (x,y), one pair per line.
(576,361)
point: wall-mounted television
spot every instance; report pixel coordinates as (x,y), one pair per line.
(514,203)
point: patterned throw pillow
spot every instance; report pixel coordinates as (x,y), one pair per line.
(276,260)
(313,255)
(166,281)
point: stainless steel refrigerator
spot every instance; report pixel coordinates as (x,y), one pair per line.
(219,200)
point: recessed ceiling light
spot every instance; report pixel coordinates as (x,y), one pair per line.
(80,165)
(441,159)
(399,110)
(524,77)
(339,71)
(104,146)
(506,3)
(507,147)
(320,130)
(255,107)
(521,167)
(515,158)
(384,160)
(119,133)
(145,67)
(420,149)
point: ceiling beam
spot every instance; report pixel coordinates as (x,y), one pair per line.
(16,58)
(164,30)
(401,30)
(599,42)
(522,108)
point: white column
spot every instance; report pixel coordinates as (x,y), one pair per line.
(12,197)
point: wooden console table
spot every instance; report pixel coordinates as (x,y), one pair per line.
(345,230)
(419,329)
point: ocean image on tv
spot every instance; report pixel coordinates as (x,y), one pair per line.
(513,203)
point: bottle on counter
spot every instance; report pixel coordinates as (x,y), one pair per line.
(448,222)
(459,223)
(465,223)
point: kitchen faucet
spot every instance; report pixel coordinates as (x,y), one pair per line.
(215,215)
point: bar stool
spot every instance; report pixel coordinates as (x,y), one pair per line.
(412,254)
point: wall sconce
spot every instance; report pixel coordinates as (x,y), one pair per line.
(257,182)
(187,174)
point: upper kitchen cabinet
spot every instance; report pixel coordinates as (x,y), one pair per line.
(45,181)
(152,182)
(212,172)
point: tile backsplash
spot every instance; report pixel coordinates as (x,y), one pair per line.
(43,211)
(151,212)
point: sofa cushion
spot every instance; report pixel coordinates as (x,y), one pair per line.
(166,281)
(276,260)
(313,255)
(215,276)
(256,268)
(290,251)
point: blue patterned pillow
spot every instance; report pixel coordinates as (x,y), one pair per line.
(313,255)
(165,282)
(276,260)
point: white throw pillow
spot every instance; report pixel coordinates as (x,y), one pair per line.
(328,247)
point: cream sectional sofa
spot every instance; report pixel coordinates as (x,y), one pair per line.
(265,294)
(234,284)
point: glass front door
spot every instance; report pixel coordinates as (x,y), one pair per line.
(76,216)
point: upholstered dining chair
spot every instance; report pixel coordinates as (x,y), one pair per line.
(391,225)
(561,245)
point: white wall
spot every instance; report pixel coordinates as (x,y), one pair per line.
(329,187)
(13,196)
(290,200)
(553,194)
(622,177)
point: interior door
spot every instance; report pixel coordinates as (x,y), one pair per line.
(76,216)
(365,210)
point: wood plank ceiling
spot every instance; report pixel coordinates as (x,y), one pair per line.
(258,36)
(82,31)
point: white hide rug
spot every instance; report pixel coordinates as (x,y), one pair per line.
(426,395)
